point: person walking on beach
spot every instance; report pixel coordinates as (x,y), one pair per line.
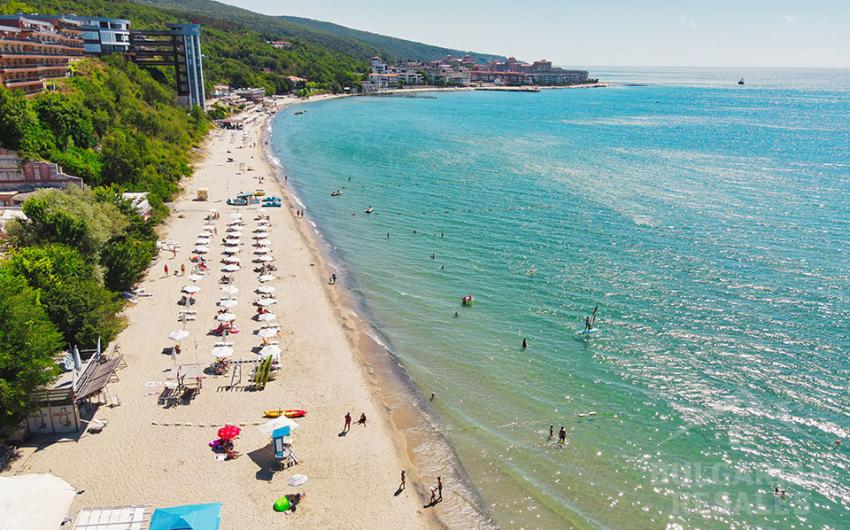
(182,270)
(403,481)
(347,426)
(433,496)
(439,489)
(562,436)
(362,420)
(165,268)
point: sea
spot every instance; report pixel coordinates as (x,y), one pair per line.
(709,223)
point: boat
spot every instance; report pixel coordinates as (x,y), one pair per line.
(289,413)
(336,193)
(369,210)
(467,300)
(741,81)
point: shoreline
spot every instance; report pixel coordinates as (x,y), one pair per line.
(155,454)
(416,426)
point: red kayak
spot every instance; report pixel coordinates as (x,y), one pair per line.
(289,413)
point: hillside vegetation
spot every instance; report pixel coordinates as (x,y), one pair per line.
(355,43)
(235,50)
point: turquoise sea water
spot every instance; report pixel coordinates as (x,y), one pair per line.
(709,222)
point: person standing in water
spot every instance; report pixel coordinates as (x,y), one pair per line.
(562,436)
(524,343)
(551,431)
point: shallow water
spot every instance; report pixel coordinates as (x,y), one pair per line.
(710,224)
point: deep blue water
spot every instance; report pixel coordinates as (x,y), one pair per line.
(709,222)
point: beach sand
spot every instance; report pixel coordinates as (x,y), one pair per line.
(149,454)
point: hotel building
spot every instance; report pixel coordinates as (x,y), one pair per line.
(178,47)
(33,51)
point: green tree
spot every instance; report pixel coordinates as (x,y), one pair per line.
(29,343)
(82,309)
(66,118)
(13,7)
(72,216)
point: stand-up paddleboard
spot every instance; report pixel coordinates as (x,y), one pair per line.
(590,331)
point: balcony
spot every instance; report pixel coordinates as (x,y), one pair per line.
(33,68)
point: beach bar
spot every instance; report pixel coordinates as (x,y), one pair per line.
(61,406)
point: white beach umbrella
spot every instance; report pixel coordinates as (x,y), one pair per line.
(234,229)
(266,289)
(202,241)
(200,249)
(178,335)
(261,250)
(267,317)
(271,426)
(231,259)
(221,352)
(264,242)
(226,317)
(297,480)
(229,289)
(234,222)
(228,303)
(194,277)
(272,350)
(265,302)
(230,268)
(229,251)
(261,230)
(232,241)
(264,259)
(236,215)
(190,289)
(267,332)
(266,278)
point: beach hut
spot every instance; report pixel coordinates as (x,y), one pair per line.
(189,517)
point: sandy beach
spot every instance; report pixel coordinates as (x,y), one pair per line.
(157,455)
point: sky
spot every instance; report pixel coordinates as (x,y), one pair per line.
(769,33)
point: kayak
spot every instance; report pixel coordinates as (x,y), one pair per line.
(289,413)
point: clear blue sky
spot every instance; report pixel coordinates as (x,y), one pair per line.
(605,32)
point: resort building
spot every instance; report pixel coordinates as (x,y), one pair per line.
(516,73)
(179,47)
(34,51)
(447,74)
(384,76)
(17,175)
(37,48)
(104,35)
(254,95)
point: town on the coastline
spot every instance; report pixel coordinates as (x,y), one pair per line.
(465,72)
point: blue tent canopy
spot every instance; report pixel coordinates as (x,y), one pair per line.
(281,432)
(189,517)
